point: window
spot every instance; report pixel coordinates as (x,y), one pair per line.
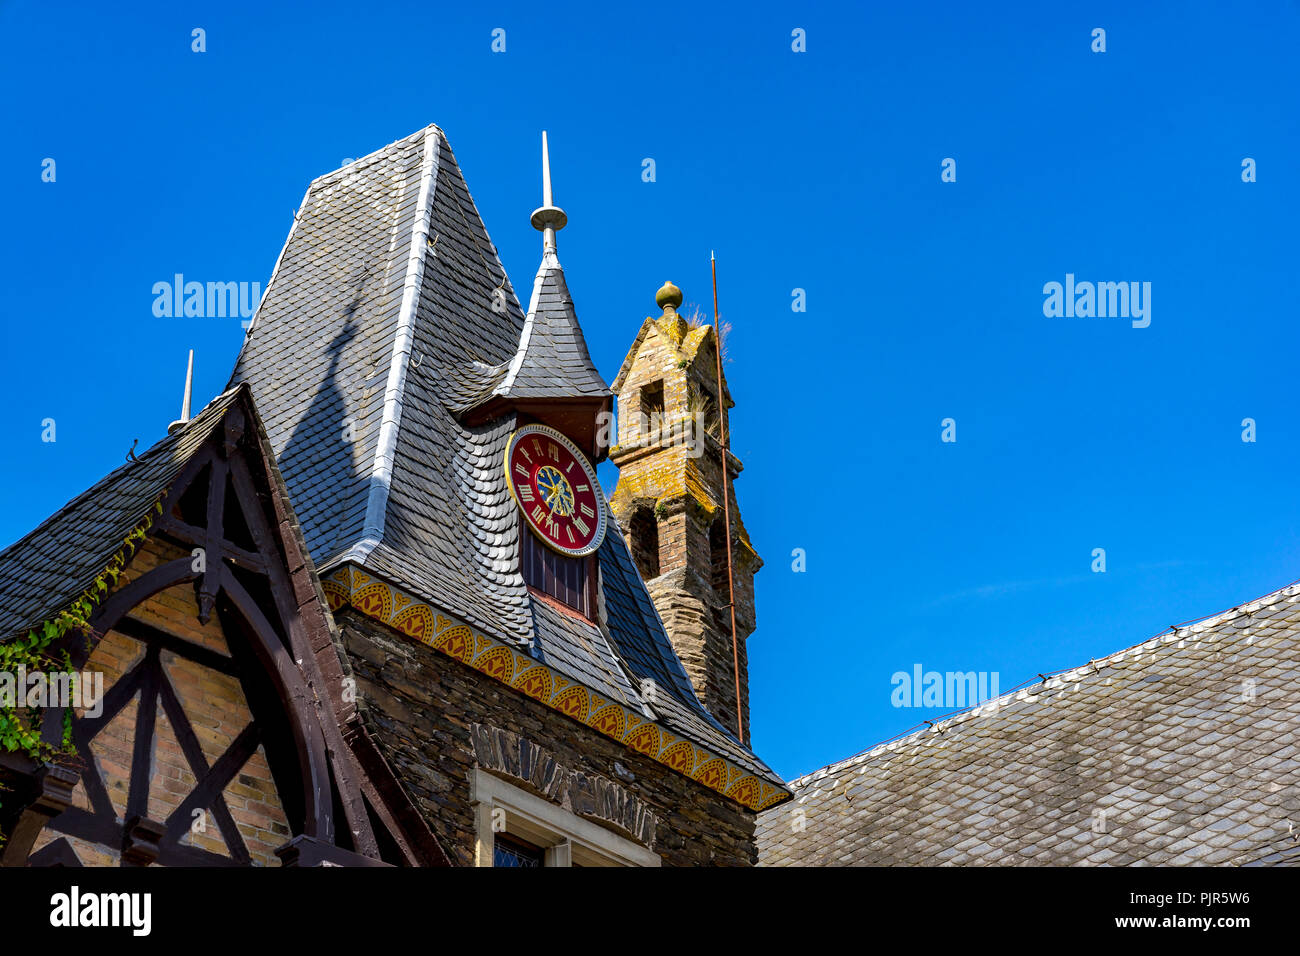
(517,828)
(562,577)
(652,399)
(650,422)
(512,851)
(644,532)
(706,406)
(718,560)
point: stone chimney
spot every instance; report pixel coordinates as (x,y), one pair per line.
(669,501)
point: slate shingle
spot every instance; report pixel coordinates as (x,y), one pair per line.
(1099,765)
(552,361)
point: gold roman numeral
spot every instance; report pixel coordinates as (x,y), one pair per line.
(586,510)
(526,494)
(553,450)
(580,525)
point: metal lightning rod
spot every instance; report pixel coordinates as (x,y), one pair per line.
(726,499)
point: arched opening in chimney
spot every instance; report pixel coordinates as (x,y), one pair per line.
(718,560)
(644,532)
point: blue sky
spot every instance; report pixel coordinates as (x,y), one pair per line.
(818,171)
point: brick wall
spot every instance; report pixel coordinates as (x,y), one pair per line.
(436,720)
(665,482)
(217,711)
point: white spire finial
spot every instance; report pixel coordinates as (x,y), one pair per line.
(185,399)
(548,218)
(546,172)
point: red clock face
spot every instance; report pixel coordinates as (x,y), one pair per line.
(556,490)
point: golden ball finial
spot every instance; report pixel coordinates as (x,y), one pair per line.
(668,297)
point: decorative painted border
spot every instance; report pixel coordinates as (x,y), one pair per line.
(377,599)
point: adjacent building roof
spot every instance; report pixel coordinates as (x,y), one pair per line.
(1184,749)
(388,314)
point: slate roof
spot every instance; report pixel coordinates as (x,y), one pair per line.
(46,570)
(388,314)
(1184,749)
(552,361)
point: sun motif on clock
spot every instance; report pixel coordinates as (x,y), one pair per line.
(556,489)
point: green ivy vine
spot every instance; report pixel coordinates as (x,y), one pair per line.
(43,649)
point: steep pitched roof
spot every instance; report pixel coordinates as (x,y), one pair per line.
(1181,750)
(552,361)
(387,315)
(50,567)
(385,289)
(683,339)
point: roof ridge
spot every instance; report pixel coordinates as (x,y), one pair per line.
(530,320)
(381,473)
(144,457)
(432,127)
(252,323)
(1019,692)
(154,469)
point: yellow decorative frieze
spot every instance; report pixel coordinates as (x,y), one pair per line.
(380,601)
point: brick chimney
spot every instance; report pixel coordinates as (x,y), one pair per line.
(669,501)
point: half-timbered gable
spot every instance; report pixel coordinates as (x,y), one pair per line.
(219,738)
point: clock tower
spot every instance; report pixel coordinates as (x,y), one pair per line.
(674,503)
(554,400)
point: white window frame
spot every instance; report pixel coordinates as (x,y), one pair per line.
(566,837)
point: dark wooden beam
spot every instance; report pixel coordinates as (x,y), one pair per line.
(91,827)
(198,761)
(138,591)
(146,716)
(392,803)
(49,794)
(298,704)
(209,793)
(210,582)
(304,649)
(56,853)
(303,850)
(186,534)
(185,854)
(193,468)
(115,698)
(140,841)
(203,656)
(96,792)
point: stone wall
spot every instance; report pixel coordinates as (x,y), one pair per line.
(436,719)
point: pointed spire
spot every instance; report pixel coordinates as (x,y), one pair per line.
(547,218)
(185,399)
(552,362)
